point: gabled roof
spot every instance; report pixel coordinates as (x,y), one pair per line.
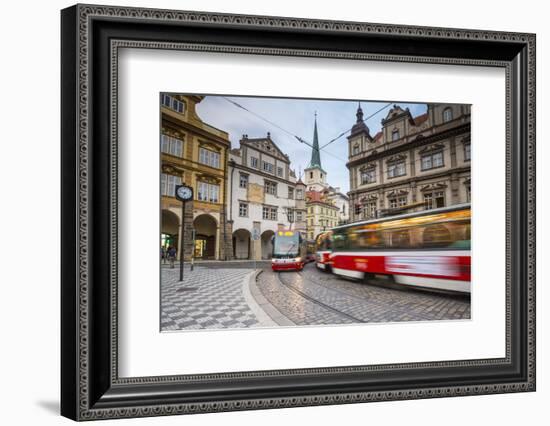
(266,145)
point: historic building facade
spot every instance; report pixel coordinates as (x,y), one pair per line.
(416,163)
(193,153)
(322,213)
(263,197)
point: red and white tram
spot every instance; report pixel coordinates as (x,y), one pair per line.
(289,251)
(428,249)
(323,250)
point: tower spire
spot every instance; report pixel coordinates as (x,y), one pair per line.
(359,113)
(315,154)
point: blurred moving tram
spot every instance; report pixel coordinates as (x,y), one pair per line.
(428,249)
(323,251)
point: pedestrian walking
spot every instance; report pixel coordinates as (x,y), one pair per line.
(171,256)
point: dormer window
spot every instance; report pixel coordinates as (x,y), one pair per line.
(447,115)
(395,135)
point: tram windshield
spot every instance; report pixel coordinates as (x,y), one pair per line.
(286,244)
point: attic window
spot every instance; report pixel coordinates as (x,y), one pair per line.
(355,149)
(395,135)
(447,115)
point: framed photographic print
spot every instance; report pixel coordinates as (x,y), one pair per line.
(263,212)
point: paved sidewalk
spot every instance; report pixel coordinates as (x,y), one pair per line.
(208,298)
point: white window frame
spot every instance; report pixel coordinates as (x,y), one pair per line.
(254,162)
(173,103)
(268,167)
(243,178)
(431,196)
(171,145)
(468,150)
(168,184)
(427,160)
(270,187)
(368,176)
(243,209)
(209,158)
(393,168)
(447,115)
(208,192)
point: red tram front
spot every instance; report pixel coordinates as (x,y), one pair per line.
(289,251)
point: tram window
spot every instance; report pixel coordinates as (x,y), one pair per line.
(400,239)
(461,236)
(339,241)
(369,239)
(436,236)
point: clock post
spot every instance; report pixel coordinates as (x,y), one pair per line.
(184,193)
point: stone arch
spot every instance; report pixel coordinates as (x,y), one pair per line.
(169,229)
(206,230)
(242,244)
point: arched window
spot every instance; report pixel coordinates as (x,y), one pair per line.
(447,115)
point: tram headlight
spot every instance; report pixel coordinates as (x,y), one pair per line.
(298,259)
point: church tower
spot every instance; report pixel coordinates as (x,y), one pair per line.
(315,177)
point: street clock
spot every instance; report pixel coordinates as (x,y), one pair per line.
(184,193)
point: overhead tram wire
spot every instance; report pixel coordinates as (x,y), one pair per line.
(304,141)
(349,130)
(279,127)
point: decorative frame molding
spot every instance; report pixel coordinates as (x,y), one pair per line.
(91,37)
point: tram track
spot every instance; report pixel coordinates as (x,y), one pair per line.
(363,299)
(316,301)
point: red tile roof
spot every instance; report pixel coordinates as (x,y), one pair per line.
(420,119)
(316,197)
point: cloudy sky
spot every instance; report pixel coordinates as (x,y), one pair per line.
(290,117)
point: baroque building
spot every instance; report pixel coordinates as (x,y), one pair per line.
(263,197)
(193,153)
(413,163)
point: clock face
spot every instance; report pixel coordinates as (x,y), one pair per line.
(184,193)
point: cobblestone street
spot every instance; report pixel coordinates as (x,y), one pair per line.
(314,297)
(228,295)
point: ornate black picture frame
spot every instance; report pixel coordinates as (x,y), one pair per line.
(91,36)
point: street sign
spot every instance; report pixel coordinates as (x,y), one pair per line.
(255,234)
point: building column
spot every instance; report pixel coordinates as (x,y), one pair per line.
(229,250)
(256,245)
